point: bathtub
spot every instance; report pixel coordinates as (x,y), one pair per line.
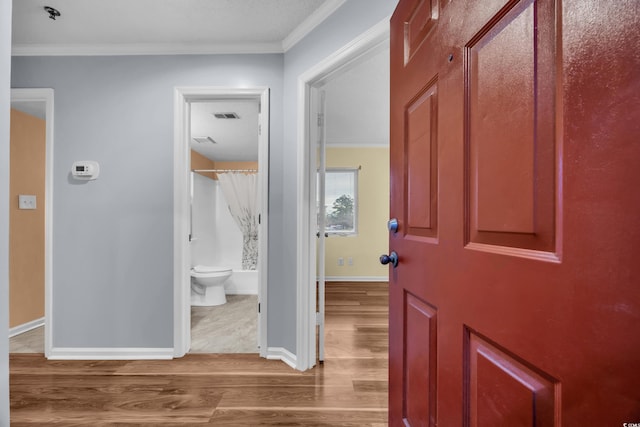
(242,282)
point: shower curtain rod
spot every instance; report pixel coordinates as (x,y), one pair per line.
(224,170)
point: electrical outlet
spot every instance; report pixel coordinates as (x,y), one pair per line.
(350,261)
(340,261)
(26,201)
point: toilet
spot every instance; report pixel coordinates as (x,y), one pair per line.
(207,285)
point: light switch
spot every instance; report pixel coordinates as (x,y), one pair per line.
(26,201)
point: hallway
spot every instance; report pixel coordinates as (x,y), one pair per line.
(349,389)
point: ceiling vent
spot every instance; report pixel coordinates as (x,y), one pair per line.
(226,115)
(204,140)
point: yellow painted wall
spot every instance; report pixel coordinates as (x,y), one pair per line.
(372,239)
(26,227)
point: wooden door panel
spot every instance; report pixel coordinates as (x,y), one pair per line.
(420,361)
(501,96)
(510,130)
(421,158)
(418,23)
(502,389)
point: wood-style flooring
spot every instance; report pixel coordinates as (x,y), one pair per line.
(349,389)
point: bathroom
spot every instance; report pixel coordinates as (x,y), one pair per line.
(224,258)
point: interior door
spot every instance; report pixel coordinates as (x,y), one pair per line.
(514,167)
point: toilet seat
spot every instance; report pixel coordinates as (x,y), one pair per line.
(210,269)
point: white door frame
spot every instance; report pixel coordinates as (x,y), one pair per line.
(183,96)
(45,96)
(357,50)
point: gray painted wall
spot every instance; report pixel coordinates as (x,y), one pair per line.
(113,237)
(112,266)
(5,61)
(352,19)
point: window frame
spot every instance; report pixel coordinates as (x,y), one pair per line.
(355,172)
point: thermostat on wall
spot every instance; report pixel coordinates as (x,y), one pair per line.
(85,169)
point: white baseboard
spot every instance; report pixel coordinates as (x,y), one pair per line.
(280,353)
(62,353)
(356,279)
(25,327)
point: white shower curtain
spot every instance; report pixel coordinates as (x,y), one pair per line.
(241,193)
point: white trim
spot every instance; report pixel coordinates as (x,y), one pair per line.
(357,278)
(181,256)
(63,353)
(113,49)
(263,228)
(375,38)
(183,96)
(26,327)
(280,353)
(305,301)
(46,96)
(315,19)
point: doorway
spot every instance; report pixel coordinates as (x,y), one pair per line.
(311,84)
(186,103)
(31,219)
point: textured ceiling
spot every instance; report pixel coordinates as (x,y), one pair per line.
(164,26)
(235,139)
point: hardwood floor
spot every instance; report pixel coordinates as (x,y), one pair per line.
(349,389)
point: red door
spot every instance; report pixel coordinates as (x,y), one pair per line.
(515,166)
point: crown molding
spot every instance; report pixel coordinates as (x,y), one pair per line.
(144,49)
(112,49)
(315,19)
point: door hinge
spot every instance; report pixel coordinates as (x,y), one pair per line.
(259,219)
(318,318)
(320,119)
(258,307)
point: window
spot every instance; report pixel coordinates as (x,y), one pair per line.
(341,201)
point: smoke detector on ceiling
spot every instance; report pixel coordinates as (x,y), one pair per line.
(204,140)
(226,115)
(53,13)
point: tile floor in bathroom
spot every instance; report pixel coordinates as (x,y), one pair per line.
(227,328)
